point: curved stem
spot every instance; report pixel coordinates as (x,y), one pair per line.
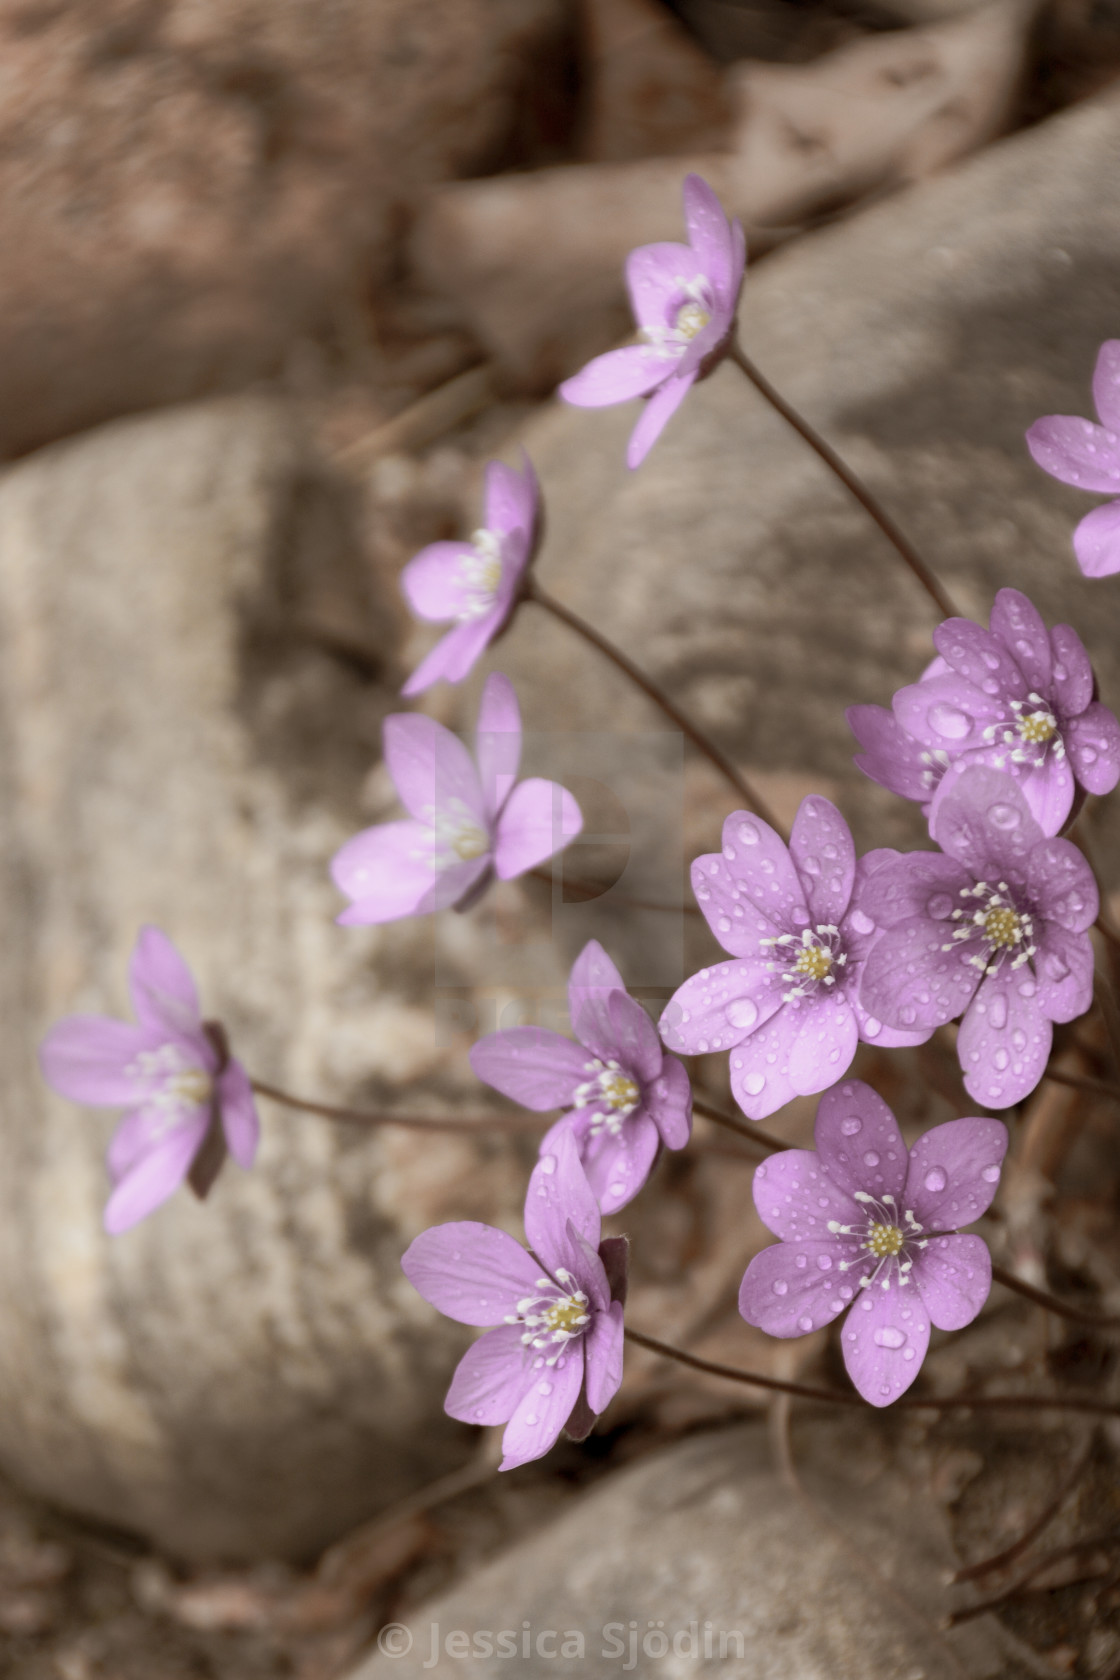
(747,1129)
(893,533)
(836,1397)
(359,1117)
(1081,1082)
(653,689)
(1043,1298)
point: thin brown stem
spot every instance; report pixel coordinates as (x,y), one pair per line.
(1011,1554)
(836,1397)
(1081,1082)
(360,1117)
(893,533)
(1043,1298)
(1106,998)
(653,689)
(747,1129)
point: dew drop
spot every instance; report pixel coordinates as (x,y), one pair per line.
(860,922)
(824,1262)
(908,1353)
(1004,816)
(754,1083)
(871,1159)
(1055,968)
(1000,1060)
(907,1015)
(851,1125)
(742,1013)
(805,1322)
(544,1388)
(780,1286)
(871,1027)
(936,1179)
(990,1175)
(889,1337)
(997,1010)
(748,833)
(530,1418)
(949,722)
(547,1164)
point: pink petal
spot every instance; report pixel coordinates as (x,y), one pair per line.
(1064,971)
(911,982)
(498,740)
(455,655)
(721,1006)
(859,1142)
(1063,886)
(981,818)
(709,234)
(603,1346)
(155,1176)
(162,986)
(1048,790)
(669,1103)
(616,377)
(797,1200)
(492,1377)
(954,1279)
(655,416)
(756,866)
(619,1029)
(1073,674)
(512,498)
(538,1419)
(84,1057)
(792,1288)
(1075,451)
(890,756)
(954,1172)
(947,714)
(873,1031)
(434,583)
(387,871)
(760,1077)
(979,657)
(1093,744)
(473,1273)
(617,1164)
(532,1065)
(885,1337)
(559,1198)
(238,1109)
(1004,1040)
(1019,626)
(1106,383)
(593,974)
(539,819)
(824,1047)
(655,276)
(431,769)
(1096,541)
(824,855)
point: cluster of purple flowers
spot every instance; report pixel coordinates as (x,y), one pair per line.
(999,741)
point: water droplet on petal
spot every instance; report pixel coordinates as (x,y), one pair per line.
(860,922)
(805,1322)
(949,722)
(748,833)
(871,1159)
(824,1262)
(547,1163)
(871,1027)
(1004,816)
(754,1083)
(851,1125)
(742,1013)
(780,1286)
(997,1010)
(889,1337)
(936,1179)
(990,1175)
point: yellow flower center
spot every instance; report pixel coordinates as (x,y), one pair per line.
(470,842)
(884,1240)
(568,1315)
(691,319)
(1038,728)
(1002,927)
(194,1087)
(813,960)
(618,1091)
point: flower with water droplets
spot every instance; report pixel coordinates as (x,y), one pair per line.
(474,584)
(553,1360)
(870,1225)
(1088,456)
(187,1099)
(684,299)
(787,1007)
(1017,697)
(993,928)
(467,821)
(626,1096)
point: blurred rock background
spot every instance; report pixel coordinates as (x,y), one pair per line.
(277,279)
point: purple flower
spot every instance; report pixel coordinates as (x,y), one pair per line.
(1016,696)
(1088,456)
(554,1359)
(865,1220)
(684,298)
(467,822)
(475,584)
(992,928)
(173,1076)
(627,1097)
(788,1006)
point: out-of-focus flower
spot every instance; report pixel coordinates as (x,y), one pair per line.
(626,1096)
(554,1359)
(467,822)
(1088,456)
(474,583)
(867,1223)
(174,1077)
(684,299)
(993,928)
(1016,697)
(787,1006)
